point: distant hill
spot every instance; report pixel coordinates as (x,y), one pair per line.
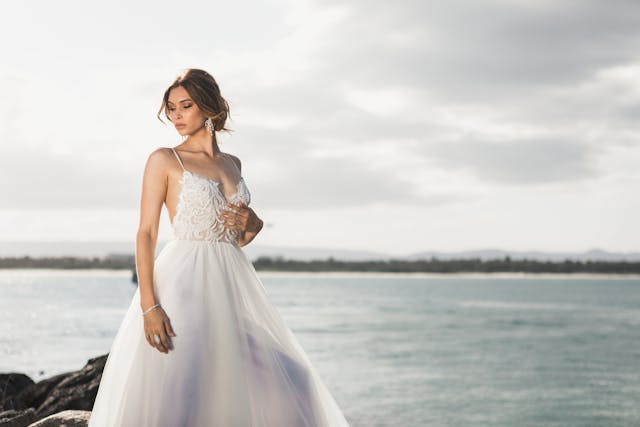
(486,254)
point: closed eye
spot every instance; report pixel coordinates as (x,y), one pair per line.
(171,108)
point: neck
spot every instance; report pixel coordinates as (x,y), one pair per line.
(202,141)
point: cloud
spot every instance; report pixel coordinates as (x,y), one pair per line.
(34,178)
(343,182)
(355,104)
(517,162)
(471,50)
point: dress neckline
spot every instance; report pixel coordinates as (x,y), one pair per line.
(204,178)
(197,175)
(217,183)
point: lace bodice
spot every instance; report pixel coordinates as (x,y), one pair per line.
(200,204)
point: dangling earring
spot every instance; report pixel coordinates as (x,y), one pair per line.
(209,124)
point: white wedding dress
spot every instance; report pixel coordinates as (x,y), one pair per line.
(235,362)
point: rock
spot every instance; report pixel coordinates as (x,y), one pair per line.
(26,402)
(75,390)
(17,418)
(69,418)
(11,384)
(34,395)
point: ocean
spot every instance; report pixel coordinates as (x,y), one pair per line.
(395,350)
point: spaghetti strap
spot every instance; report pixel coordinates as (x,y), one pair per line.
(178,157)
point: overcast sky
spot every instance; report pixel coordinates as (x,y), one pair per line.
(392,126)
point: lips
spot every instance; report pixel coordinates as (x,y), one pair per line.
(180,125)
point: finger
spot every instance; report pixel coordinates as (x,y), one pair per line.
(233,221)
(164,340)
(160,346)
(169,329)
(234,207)
(166,334)
(152,340)
(154,344)
(149,336)
(233,227)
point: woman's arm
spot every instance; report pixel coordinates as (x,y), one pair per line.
(254,226)
(250,225)
(154,190)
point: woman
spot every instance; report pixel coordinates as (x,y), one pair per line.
(201,345)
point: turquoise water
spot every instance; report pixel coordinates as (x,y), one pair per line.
(393,350)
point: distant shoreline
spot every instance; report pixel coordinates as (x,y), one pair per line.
(434,267)
(506,275)
(373,274)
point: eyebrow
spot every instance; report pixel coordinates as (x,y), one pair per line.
(182,100)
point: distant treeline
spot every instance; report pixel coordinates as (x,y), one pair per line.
(435,265)
(116,263)
(432,265)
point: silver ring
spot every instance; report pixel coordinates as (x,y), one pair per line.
(156,338)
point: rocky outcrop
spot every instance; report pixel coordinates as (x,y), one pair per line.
(17,418)
(68,418)
(23,401)
(10,386)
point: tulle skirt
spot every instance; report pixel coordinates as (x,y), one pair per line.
(234,361)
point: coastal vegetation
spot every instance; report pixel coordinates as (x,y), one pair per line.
(432,265)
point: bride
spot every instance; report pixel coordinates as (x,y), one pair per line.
(201,344)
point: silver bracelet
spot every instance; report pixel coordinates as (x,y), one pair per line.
(150,308)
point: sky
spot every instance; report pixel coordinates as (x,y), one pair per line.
(367,125)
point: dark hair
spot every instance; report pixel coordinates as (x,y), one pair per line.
(205,92)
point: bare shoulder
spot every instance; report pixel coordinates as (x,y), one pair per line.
(236,160)
(159,163)
(159,158)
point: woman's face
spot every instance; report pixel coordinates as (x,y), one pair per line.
(184,112)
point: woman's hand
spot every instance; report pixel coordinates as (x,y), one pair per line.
(156,322)
(241,218)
